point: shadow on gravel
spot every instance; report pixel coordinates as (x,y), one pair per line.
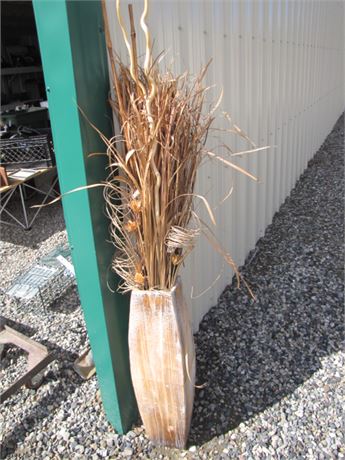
(66,380)
(34,417)
(39,232)
(253,354)
(68,302)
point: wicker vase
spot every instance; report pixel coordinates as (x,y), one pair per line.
(162,359)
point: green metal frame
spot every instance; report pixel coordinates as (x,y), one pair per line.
(75,69)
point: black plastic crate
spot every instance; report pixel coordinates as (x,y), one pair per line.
(28,151)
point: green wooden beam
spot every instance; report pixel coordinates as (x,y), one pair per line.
(75,69)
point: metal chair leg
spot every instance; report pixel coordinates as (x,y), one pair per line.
(47,195)
(27,226)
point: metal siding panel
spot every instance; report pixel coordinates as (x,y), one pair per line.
(251,121)
(306,59)
(289,103)
(318,81)
(268,57)
(310,77)
(255,129)
(292,90)
(263,115)
(231,105)
(272,114)
(269,76)
(277,107)
(241,190)
(279,142)
(284,101)
(299,95)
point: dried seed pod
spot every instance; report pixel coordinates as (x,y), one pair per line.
(135,206)
(139,279)
(176,259)
(131,226)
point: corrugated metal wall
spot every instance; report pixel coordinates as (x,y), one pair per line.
(281,66)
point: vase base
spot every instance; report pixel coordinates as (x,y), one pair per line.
(162,358)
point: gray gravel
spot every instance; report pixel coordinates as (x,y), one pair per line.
(273,369)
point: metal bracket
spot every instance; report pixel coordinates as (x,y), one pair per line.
(38,359)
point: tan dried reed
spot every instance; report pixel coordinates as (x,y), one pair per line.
(153,165)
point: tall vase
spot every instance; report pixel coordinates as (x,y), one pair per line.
(162,360)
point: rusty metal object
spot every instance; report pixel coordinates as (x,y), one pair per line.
(38,359)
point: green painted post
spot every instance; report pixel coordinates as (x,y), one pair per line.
(75,68)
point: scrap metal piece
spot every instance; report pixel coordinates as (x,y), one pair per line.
(38,359)
(27,377)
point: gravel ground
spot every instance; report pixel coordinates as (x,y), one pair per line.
(273,368)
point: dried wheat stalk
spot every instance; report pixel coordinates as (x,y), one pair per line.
(153,166)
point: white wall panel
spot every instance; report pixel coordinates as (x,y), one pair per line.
(281,66)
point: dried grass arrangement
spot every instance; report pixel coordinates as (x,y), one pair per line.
(150,194)
(153,164)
